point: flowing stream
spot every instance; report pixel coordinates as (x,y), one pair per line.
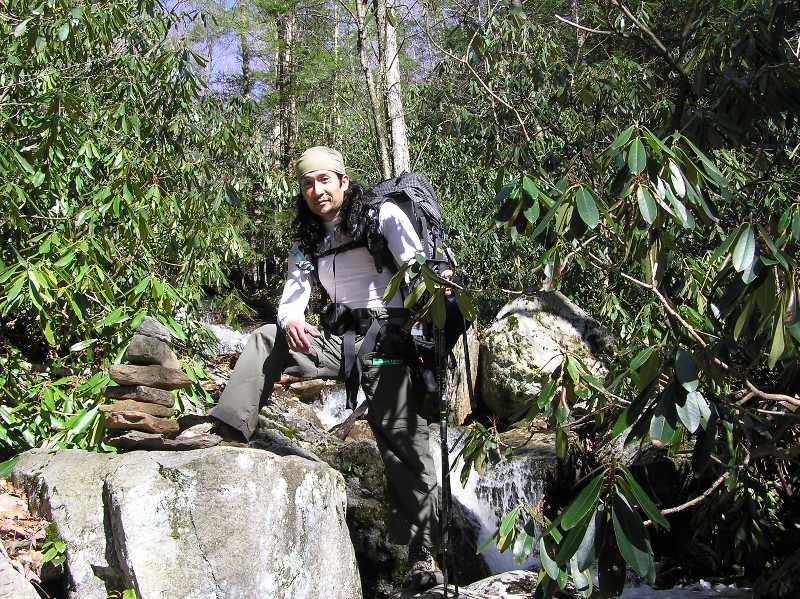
(487,498)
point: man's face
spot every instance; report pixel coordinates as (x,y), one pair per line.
(323,191)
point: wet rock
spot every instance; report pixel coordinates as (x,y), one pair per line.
(128,405)
(526,344)
(152,328)
(141,393)
(144,350)
(310,390)
(139,421)
(149,376)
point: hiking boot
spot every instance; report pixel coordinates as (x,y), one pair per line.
(423,573)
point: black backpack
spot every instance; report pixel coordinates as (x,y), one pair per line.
(414,194)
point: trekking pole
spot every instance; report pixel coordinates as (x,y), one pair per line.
(444,410)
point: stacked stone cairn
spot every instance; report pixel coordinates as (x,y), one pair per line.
(142,413)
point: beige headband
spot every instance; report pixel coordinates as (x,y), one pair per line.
(319,158)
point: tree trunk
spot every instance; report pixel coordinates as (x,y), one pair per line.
(277,129)
(377,113)
(247,73)
(287,111)
(390,57)
(336,120)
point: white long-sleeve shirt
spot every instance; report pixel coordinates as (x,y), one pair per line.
(357,283)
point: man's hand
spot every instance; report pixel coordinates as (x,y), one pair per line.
(297,334)
(448,274)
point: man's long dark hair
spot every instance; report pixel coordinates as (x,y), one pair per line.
(307,228)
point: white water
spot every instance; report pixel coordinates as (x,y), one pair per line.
(229,340)
(491,496)
(331,408)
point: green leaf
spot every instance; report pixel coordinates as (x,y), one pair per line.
(685,370)
(641,358)
(21,28)
(549,566)
(116,316)
(508,522)
(778,254)
(572,369)
(81,345)
(621,139)
(571,541)
(562,444)
(588,550)
(643,500)
(523,546)
(413,297)
(16,288)
(632,539)
(543,224)
(532,212)
(529,187)
(465,305)
(637,157)
(745,250)
(681,212)
(662,425)
(587,208)
(778,343)
(647,205)
(583,503)
(676,178)
(63,31)
(689,412)
(744,318)
(439,311)
(7,466)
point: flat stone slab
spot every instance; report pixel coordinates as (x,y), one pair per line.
(139,421)
(128,405)
(153,441)
(141,393)
(146,350)
(152,328)
(149,376)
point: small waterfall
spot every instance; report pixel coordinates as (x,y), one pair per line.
(331,407)
(487,498)
(229,340)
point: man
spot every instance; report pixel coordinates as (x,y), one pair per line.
(328,210)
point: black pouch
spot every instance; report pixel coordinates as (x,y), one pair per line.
(423,378)
(336,318)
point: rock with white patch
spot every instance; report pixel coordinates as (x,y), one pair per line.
(219,522)
(527,343)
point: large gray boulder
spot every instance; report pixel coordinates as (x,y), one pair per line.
(220,522)
(526,344)
(13,585)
